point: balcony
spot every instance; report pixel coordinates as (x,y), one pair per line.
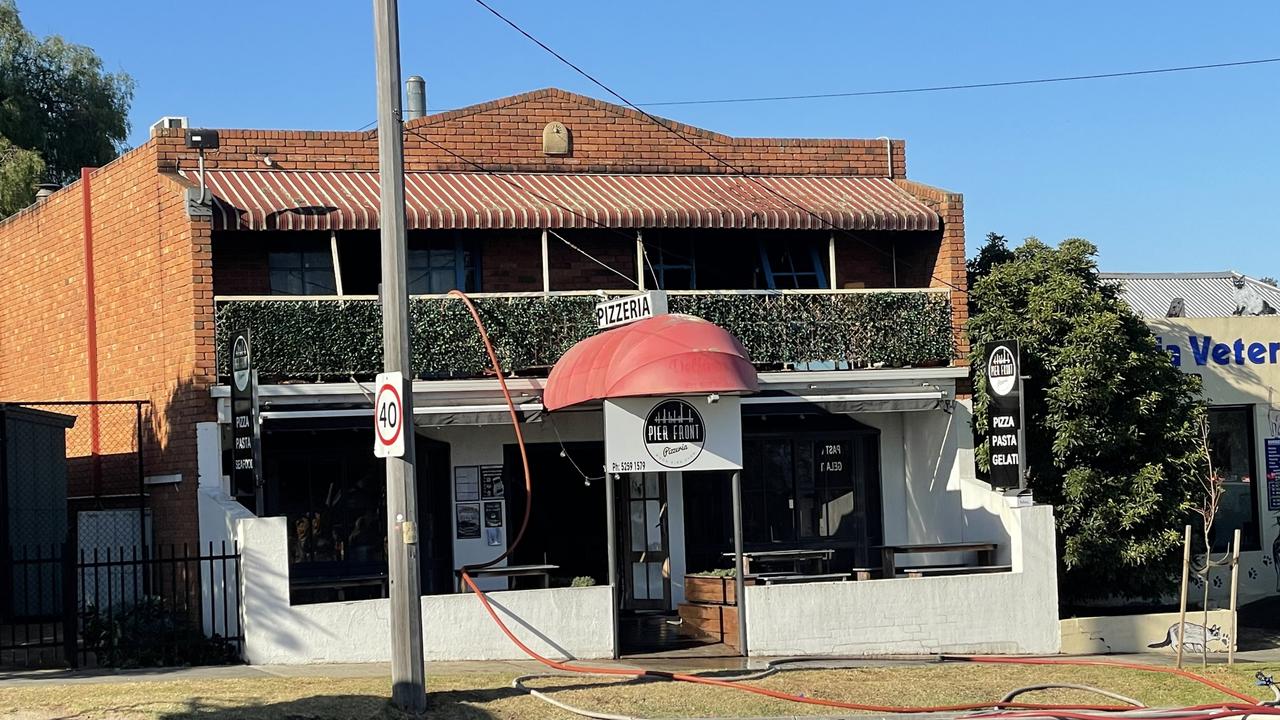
(330,339)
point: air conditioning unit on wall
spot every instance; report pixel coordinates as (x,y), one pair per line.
(169,121)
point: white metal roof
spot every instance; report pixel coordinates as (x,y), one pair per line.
(1203,294)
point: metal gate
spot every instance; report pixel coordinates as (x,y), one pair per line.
(172,605)
(72,478)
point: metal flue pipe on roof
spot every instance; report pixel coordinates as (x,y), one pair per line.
(416,90)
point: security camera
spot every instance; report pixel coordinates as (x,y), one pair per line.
(713,398)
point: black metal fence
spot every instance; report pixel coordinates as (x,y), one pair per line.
(121,607)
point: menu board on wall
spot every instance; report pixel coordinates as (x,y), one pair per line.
(491,481)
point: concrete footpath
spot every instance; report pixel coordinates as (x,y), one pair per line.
(514,668)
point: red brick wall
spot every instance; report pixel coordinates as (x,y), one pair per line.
(154,316)
(572,270)
(506,135)
(948,260)
(511,264)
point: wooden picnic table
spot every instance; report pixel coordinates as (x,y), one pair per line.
(510,571)
(795,557)
(340,584)
(888,553)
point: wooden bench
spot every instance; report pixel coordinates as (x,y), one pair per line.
(947,570)
(510,571)
(793,579)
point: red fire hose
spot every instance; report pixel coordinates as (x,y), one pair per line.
(1247,704)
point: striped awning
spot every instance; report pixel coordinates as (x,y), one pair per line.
(339,200)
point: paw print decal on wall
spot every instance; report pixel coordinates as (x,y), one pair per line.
(1217,581)
(1253,572)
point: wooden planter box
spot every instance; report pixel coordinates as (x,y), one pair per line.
(710,609)
(711,590)
(714,622)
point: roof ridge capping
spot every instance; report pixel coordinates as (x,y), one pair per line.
(616,109)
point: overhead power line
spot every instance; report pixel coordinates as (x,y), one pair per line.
(966,86)
(737,171)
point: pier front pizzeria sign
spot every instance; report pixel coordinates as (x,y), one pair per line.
(1004,390)
(657,434)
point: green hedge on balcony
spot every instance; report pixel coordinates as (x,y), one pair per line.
(332,339)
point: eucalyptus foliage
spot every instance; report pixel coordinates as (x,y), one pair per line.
(1111,425)
(57,102)
(304,339)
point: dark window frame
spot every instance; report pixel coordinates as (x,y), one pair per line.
(299,250)
(864,446)
(789,251)
(466,263)
(1250,536)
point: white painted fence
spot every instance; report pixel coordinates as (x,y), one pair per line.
(1013,612)
(558,623)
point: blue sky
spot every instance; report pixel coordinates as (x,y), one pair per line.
(1175,172)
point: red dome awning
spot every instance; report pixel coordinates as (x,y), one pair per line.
(663,355)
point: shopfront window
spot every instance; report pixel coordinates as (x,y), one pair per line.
(1231,447)
(810,489)
(329,487)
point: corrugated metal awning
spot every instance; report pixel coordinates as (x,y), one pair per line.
(340,200)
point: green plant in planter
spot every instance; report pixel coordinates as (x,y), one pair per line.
(150,633)
(718,572)
(583,581)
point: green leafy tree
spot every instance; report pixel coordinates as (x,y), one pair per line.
(57,101)
(1270,281)
(20,170)
(1111,425)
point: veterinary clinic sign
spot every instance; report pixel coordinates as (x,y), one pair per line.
(672,433)
(628,309)
(1202,350)
(1004,391)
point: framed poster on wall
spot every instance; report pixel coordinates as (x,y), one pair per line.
(493,514)
(468,521)
(466,483)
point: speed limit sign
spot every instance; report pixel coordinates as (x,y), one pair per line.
(388,416)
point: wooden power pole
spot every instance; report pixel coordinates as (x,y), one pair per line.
(408,684)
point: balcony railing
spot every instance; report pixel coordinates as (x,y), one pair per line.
(330,338)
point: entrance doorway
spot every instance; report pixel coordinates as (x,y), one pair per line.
(645,543)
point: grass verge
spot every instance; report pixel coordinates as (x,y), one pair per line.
(485,696)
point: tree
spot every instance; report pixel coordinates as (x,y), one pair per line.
(58,102)
(993,253)
(1111,425)
(20,170)
(1269,280)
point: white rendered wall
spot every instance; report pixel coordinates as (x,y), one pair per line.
(483,445)
(558,623)
(1014,612)
(218,514)
(929,493)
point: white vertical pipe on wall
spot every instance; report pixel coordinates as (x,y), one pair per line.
(546,263)
(337,266)
(831,259)
(611,527)
(640,259)
(739,577)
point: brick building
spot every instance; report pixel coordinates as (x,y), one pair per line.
(843,279)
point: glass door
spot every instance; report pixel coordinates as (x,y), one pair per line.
(645,567)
